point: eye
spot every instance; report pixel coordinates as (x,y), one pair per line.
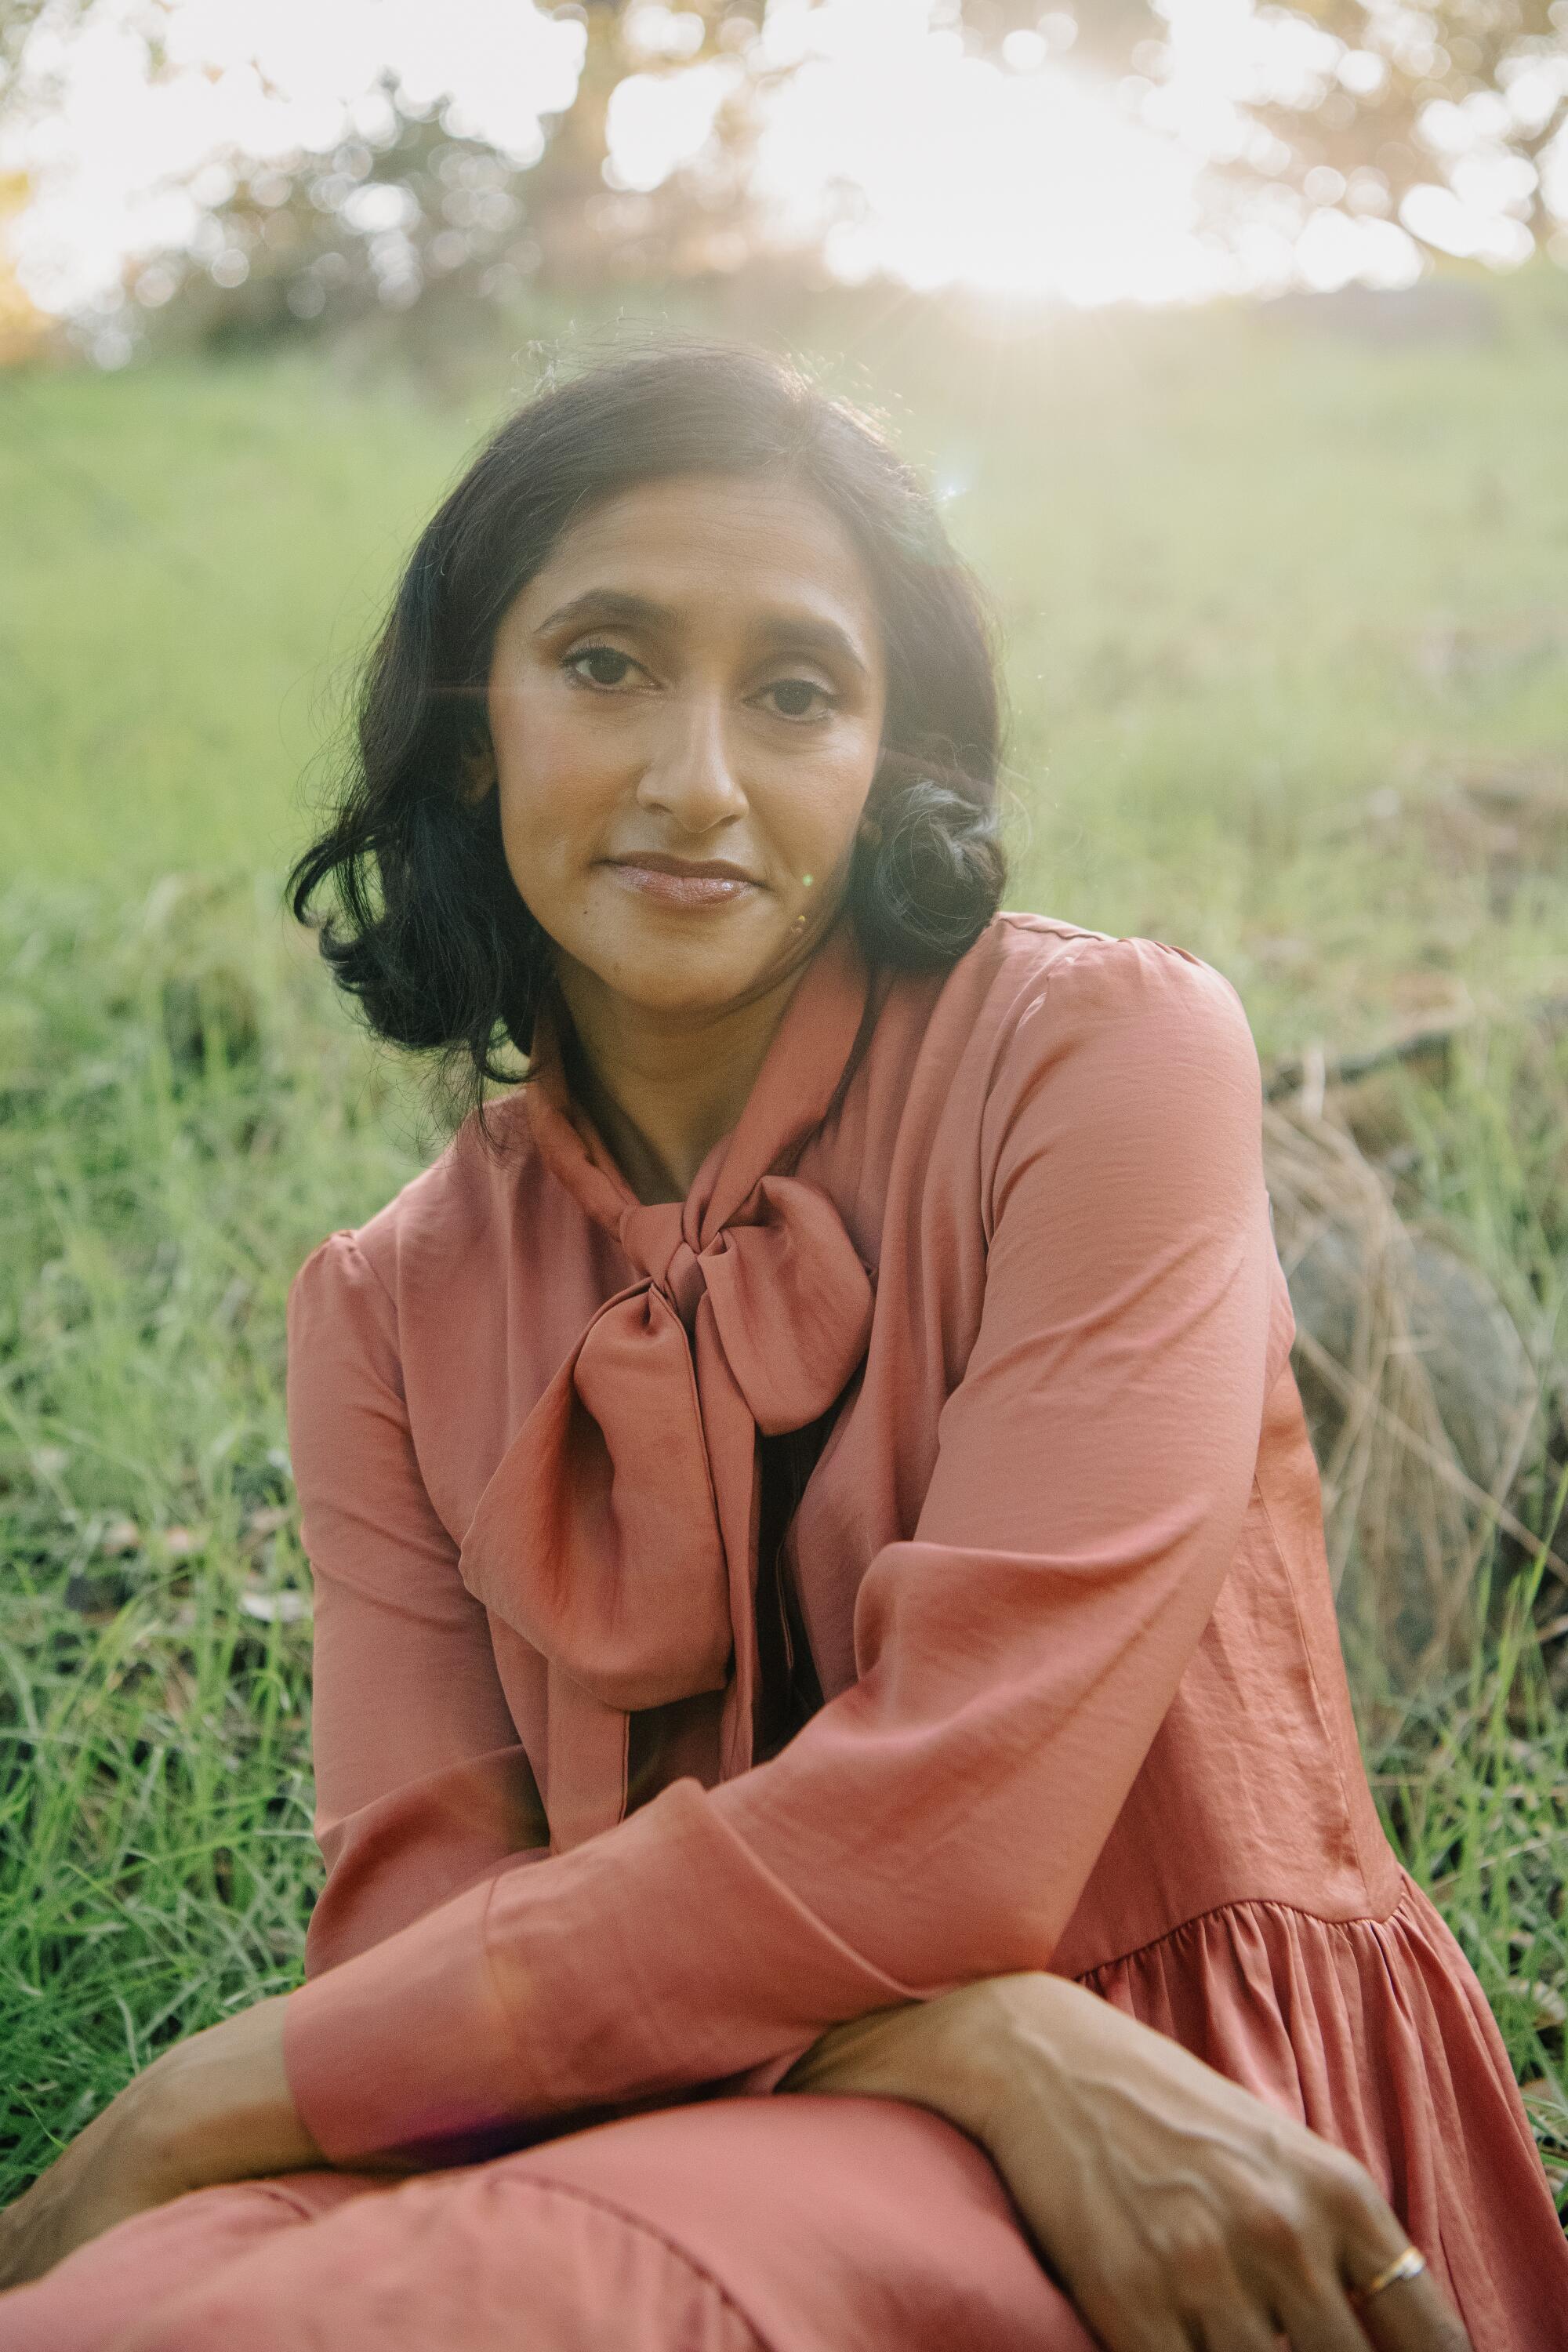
(799,697)
(599,665)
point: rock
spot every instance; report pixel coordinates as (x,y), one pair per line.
(1483,1383)
(1418,1389)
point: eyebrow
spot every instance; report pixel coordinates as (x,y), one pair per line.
(614,606)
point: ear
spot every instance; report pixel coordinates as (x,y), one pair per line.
(476,773)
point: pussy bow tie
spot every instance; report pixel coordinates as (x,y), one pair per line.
(619,1533)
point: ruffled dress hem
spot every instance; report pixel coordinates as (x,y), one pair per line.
(1376,2033)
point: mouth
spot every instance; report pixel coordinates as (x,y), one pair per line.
(682,881)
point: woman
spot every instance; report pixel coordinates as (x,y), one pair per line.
(817,1546)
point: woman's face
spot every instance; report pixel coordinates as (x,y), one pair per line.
(686,712)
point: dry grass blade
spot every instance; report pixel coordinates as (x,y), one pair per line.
(1441,1464)
(1421,1395)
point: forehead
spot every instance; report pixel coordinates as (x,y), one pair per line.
(721,543)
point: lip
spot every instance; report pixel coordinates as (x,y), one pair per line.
(681,882)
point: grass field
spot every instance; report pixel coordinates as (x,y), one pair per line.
(1289,649)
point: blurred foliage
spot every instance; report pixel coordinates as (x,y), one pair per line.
(18,19)
(702,217)
(23,328)
(1368,100)
(1498,68)
(410,213)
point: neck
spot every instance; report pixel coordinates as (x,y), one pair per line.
(662,1088)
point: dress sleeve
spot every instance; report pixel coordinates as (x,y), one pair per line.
(936,1822)
(421,1787)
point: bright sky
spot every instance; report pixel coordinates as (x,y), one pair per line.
(1028,176)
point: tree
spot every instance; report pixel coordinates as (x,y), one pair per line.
(409,211)
(401,211)
(1412,108)
(590,224)
(1379,107)
(1408,102)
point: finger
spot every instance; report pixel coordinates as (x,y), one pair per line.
(1315,2315)
(1224,2312)
(1412,2316)
(1408,2315)
(1240,2326)
(1131,2313)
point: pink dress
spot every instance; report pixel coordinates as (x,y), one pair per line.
(979,1304)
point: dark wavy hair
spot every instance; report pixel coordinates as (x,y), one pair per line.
(430,933)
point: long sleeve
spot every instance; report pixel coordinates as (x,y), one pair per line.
(937,1821)
(421,1787)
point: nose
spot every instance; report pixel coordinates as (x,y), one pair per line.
(688,776)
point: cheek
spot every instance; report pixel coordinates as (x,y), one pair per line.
(815,811)
(554,777)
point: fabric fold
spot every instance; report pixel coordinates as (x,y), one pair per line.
(1373,2032)
(618,1534)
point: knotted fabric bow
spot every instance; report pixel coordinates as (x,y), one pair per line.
(619,1533)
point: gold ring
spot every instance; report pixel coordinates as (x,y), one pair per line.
(1407,2265)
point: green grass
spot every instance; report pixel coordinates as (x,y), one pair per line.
(179,1122)
(1250,579)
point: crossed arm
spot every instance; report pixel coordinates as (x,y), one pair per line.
(1164,2199)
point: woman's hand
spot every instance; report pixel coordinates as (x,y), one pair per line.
(1173,2207)
(214,2108)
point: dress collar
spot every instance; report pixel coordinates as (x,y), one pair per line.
(805,1067)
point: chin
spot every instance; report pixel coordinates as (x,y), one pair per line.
(673,975)
(667,988)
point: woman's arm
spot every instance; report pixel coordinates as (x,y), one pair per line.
(421,1786)
(1165,2198)
(214,2108)
(1173,2206)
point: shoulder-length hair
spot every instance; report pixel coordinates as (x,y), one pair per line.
(430,933)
